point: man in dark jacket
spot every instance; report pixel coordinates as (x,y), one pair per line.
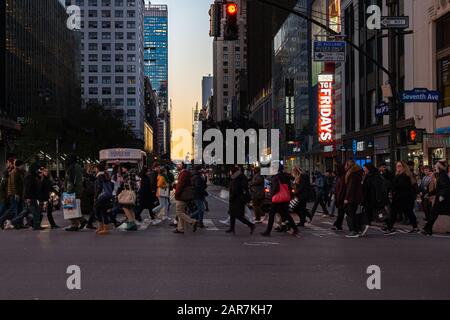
(374,191)
(238,199)
(199,184)
(257,193)
(184,182)
(4,200)
(442,198)
(45,188)
(15,192)
(321,192)
(31,196)
(353,198)
(282,208)
(339,195)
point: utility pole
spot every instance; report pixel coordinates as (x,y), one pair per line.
(393,81)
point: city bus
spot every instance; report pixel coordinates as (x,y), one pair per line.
(121,155)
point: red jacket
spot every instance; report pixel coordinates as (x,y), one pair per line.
(184,180)
(353,185)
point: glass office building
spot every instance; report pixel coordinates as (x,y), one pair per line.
(156,50)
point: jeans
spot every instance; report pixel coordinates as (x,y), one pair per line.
(257,207)
(198,215)
(162,210)
(13,211)
(32,208)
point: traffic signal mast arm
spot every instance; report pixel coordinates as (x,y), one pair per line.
(329,30)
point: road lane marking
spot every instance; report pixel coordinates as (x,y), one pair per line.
(209,224)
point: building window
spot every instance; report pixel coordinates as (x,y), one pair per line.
(106,57)
(92,3)
(131,113)
(131,36)
(106,91)
(106,69)
(131,24)
(119,102)
(92,46)
(106,35)
(92,24)
(93,80)
(119,80)
(119,57)
(119,68)
(92,36)
(119,46)
(131,3)
(106,80)
(131,14)
(118,14)
(119,24)
(131,90)
(119,3)
(93,57)
(92,13)
(131,47)
(93,90)
(225,56)
(119,35)
(131,68)
(443,70)
(225,78)
(106,24)
(131,80)
(106,3)
(131,58)
(131,102)
(106,47)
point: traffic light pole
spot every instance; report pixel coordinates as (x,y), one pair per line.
(393,80)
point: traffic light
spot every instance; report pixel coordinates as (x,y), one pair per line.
(231,31)
(415,136)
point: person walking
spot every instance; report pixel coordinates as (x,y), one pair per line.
(153,186)
(441,205)
(163,194)
(129,190)
(4,199)
(238,197)
(145,196)
(374,191)
(302,186)
(103,199)
(31,196)
(339,196)
(257,194)
(403,198)
(424,189)
(183,193)
(46,184)
(199,184)
(321,190)
(15,192)
(73,183)
(353,199)
(280,190)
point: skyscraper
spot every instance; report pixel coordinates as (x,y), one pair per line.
(207,89)
(156,61)
(112,57)
(156,44)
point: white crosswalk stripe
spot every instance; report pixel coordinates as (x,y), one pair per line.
(209,224)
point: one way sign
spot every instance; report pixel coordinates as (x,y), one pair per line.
(395,22)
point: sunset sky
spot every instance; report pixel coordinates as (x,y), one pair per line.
(190,58)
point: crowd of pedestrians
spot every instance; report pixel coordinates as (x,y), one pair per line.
(360,196)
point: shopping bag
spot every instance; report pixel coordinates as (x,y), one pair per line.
(164,192)
(69,200)
(73,213)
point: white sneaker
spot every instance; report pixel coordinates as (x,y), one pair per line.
(225,222)
(156,221)
(364,231)
(8,225)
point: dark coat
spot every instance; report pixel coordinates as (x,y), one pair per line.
(257,187)
(45,188)
(31,187)
(340,192)
(353,185)
(442,190)
(302,189)
(403,192)
(375,192)
(238,188)
(184,181)
(146,198)
(199,184)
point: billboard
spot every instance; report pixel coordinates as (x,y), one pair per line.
(325,105)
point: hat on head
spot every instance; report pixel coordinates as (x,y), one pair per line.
(441,165)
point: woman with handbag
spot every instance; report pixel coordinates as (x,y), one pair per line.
(127,198)
(163,195)
(281,197)
(103,199)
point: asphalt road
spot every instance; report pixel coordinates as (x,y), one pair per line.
(210,264)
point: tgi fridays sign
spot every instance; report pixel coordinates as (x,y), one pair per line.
(325,125)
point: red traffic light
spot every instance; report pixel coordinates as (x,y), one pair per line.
(232,9)
(412,135)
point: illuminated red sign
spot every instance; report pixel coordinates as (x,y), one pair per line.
(325,102)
